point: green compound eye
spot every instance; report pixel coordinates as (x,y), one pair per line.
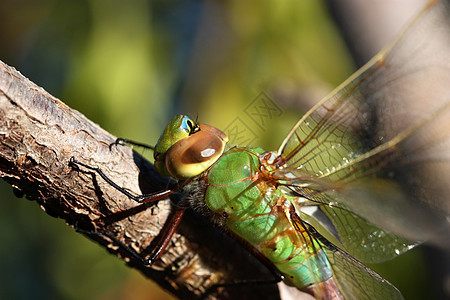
(186,149)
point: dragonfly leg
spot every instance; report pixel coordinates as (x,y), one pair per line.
(144,198)
(122,141)
(159,243)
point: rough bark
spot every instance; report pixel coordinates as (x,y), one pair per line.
(38,136)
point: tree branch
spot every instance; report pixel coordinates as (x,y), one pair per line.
(38,136)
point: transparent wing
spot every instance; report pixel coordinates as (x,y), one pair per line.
(356,281)
(363,240)
(379,146)
(350,279)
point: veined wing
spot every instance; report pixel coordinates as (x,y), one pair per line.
(351,279)
(360,238)
(320,206)
(356,281)
(379,145)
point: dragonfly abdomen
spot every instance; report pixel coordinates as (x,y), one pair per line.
(301,266)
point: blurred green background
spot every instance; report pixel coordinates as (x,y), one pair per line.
(130,66)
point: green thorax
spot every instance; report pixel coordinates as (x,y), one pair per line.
(240,188)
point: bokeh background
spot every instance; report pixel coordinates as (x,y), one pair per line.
(131,65)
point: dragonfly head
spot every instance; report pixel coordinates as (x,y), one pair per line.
(186,148)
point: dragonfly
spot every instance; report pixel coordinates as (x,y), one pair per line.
(351,183)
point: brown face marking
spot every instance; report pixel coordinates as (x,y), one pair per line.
(197,151)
